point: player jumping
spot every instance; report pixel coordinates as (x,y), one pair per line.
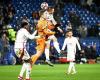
(51,25)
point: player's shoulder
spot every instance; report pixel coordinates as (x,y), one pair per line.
(75,38)
(40,22)
(66,38)
(23,29)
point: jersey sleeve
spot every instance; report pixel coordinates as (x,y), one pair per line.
(28,35)
(64,45)
(78,45)
(53,20)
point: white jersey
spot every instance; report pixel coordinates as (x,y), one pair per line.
(71,45)
(50,17)
(22,36)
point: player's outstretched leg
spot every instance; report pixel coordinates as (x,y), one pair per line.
(49,63)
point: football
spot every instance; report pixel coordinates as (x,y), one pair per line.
(44,5)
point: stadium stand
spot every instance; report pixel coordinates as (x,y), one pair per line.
(86,17)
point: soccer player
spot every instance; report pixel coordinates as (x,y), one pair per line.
(20,49)
(71,43)
(43,31)
(52,24)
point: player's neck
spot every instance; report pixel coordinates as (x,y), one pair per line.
(42,18)
(70,36)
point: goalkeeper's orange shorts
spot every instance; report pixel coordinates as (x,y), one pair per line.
(40,44)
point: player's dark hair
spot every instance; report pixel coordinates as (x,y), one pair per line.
(50,8)
(69,30)
(23,24)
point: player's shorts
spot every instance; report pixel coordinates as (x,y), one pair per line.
(40,44)
(51,37)
(24,55)
(70,57)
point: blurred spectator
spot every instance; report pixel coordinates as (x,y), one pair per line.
(89,2)
(53,54)
(93,31)
(11,11)
(4,41)
(35,16)
(91,51)
(59,5)
(8,12)
(88,52)
(3,30)
(1,16)
(11,34)
(69,26)
(93,54)
(98,28)
(82,31)
(75,22)
(83,57)
(74,19)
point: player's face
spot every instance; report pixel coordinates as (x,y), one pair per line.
(69,34)
(44,16)
(51,11)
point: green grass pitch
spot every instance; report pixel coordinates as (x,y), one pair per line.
(45,72)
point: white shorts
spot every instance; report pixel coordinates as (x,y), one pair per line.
(25,56)
(51,37)
(70,57)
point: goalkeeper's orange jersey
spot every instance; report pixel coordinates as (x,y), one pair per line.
(42,28)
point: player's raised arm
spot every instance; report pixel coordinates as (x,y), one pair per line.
(26,31)
(31,36)
(34,34)
(53,20)
(48,32)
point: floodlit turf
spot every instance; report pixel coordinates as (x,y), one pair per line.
(45,72)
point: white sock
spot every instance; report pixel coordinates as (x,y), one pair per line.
(47,54)
(56,45)
(70,67)
(28,71)
(73,68)
(22,69)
